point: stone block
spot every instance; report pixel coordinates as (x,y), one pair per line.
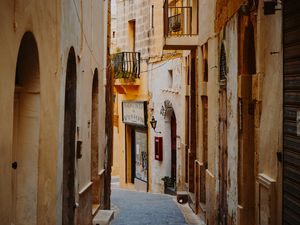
(182,197)
(103,217)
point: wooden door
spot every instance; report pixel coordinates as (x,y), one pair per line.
(246,115)
(133,155)
(173,148)
(223,155)
(68,211)
(193,123)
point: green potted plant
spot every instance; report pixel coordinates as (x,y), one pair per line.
(176,26)
(169,185)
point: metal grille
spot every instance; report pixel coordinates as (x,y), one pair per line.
(291,109)
(178,20)
(126,65)
(223,66)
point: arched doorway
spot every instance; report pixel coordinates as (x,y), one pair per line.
(173,148)
(170,139)
(95,178)
(246,111)
(26,133)
(69,142)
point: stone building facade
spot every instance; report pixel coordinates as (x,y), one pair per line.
(237,147)
(167,93)
(131,88)
(52,138)
(234,173)
(139,29)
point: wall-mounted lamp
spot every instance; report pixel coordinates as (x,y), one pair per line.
(153,123)
(270,7)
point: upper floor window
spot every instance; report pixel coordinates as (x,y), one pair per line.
(170,78)
(131,35)
(152,17)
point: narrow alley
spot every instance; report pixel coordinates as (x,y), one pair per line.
(142,208)
(150,112)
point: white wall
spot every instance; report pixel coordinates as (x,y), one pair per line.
(231,48)
(160,91)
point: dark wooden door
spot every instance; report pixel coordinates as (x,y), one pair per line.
(173,147)
(291,110)
(193,123)
(132,155)
(223,155)
(68,211)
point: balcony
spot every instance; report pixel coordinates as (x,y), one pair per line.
(126,71)
(180,26)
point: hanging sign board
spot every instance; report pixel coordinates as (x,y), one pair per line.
(134,113)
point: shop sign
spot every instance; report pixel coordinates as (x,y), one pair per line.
(134,113)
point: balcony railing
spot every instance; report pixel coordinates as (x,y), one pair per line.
(126,65)
(178,21)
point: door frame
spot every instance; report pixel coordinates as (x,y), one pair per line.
(173,147)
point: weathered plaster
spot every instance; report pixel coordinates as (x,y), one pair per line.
(160,91)
(56,28)
(232,113)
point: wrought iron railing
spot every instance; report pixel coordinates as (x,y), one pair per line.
(126,65)
(178,21)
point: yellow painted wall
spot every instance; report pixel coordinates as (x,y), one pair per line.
(56,29)
(140,13)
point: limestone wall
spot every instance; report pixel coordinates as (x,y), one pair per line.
(56,28)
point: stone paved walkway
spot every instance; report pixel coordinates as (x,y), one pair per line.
(139,208)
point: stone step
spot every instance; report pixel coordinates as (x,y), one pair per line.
(182,197)
(95,208)
(103,217)
(192,202)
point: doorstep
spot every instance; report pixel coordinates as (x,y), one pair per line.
(103,217)
(182,197)
(95,208)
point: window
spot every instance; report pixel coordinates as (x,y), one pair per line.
(170,78)
(204,62)
(205,70)
(131,35)
(152,17)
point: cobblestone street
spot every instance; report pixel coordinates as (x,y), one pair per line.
(144,209)
(150,112)
(140,208)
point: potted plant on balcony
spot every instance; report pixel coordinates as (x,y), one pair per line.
(176,26)
(169,185)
